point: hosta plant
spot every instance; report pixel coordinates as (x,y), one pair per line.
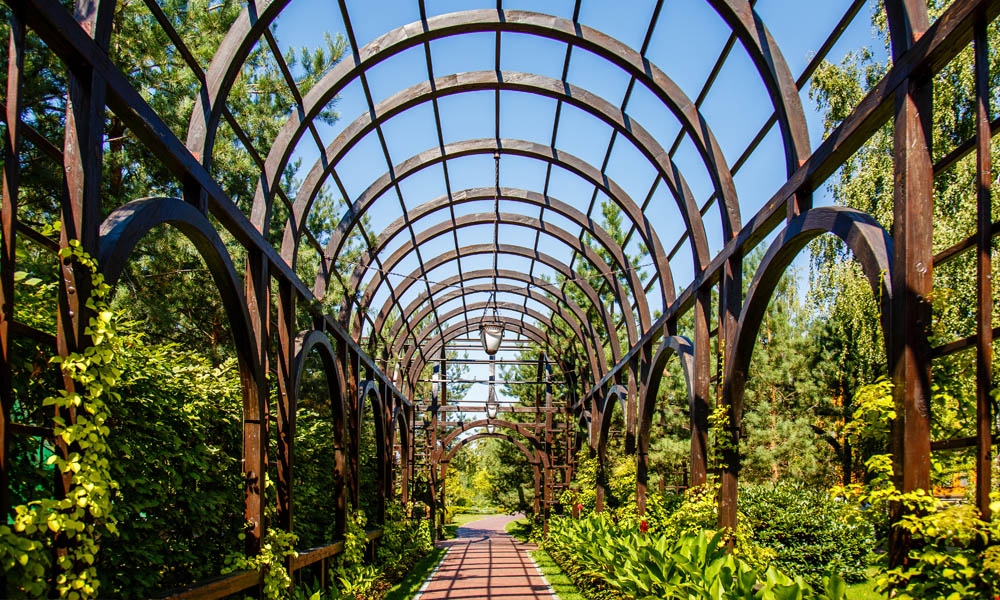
(692,566)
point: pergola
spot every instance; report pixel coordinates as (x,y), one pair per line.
(419,289)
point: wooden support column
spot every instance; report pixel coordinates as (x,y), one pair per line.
(80,213)
(434,507)
(8,253)
(730,301)
(642,453)
(444,491)
(8,248)
(602,447)
(430,439)
(702,388)
(255,423)
(570,431)
(984,273)
(632,406)
(287,402)
(350,393)
(912,280)
(549,443)
(538,482)
(406,455)
(342,490)
(385,483)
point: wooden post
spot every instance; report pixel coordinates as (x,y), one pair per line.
(984,272)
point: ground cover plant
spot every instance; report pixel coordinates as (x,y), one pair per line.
(636,564)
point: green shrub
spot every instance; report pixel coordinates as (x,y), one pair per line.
(353,578)
(810,532)
(610,563)
(404,542)
(697,511)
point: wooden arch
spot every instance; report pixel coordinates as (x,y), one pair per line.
(305,343)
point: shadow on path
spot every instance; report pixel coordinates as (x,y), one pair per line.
(484,561)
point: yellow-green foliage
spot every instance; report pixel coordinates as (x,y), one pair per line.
(80,518)
(599,555)
(954,553)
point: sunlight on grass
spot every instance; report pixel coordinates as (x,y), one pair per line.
(560,582)
(519,529)
(863,591)
(410,585)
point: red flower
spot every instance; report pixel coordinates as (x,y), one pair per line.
(643,526)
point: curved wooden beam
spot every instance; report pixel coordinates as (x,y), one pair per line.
(524,83)
(127,225)
(605,270)
(464,148)
(563,269)
(305,343)
(871,246)
(683,349)
(592,343)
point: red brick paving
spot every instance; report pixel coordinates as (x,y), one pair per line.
(486,562)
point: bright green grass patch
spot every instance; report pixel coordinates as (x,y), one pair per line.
(560,582)
(519,529)
(410,585)
(864,591)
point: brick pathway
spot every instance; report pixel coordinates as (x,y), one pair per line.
(486,562)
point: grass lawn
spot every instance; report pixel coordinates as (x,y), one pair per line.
(519,529)
(560,582)
(863,591)
(410,585)
(451,529)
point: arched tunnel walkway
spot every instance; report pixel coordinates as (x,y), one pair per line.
(556,176)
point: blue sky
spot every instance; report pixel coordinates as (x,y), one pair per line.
(685,45)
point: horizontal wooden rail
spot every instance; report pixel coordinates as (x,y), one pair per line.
(218,587)
(314,555)
(234,583)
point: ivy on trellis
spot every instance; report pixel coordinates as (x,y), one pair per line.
(84,514)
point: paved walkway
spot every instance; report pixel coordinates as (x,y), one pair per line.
(486,562)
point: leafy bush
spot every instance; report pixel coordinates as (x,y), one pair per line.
(611,563)
(176,434)
(809,531)
(953,553)
(82,519)
(698,511)
(404,541)
(355,579)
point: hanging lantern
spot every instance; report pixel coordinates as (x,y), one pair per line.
(490,429)
(491,334)
(436,384)
(492,405)
(492,408)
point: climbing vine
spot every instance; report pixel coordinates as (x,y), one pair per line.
(77,521)
(272,560)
